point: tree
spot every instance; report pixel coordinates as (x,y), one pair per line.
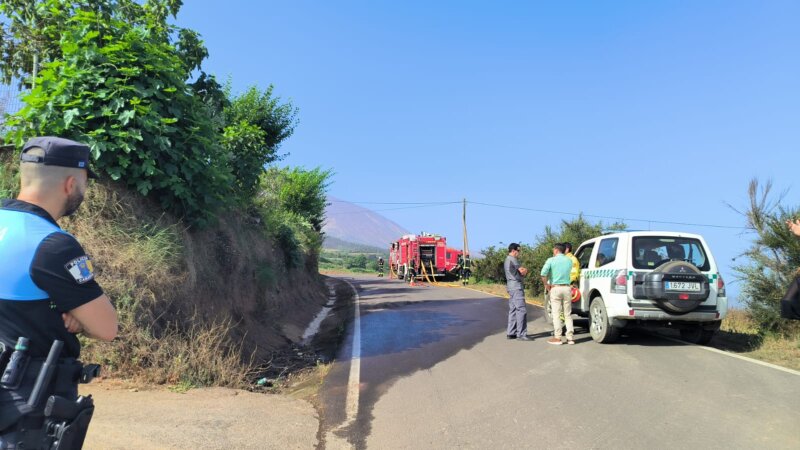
(33,30)
(772,259)
(255,125)
(575,231)
(276,119)
(117,81)
(301,192)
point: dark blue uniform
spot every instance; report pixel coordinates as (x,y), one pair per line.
(44,272)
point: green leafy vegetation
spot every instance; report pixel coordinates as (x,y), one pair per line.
(773,259)
(490,267)
(193,283)
(291,202)
(350,261)
(116,75)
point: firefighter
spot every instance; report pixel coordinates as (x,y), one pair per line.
(412,271)
(380,266)
(466,269)
(575,273)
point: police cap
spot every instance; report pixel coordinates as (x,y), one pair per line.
(58,152)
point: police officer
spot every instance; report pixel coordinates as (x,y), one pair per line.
(47,286)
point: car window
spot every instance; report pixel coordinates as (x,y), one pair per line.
(650,252)
(607,252)
(583,255)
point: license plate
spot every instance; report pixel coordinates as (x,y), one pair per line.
(681,286)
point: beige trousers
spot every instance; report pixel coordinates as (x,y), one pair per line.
(561,296)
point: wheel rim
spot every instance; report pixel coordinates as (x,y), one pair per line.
(598,319)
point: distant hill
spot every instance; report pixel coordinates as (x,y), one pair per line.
(350,223)
(332,243)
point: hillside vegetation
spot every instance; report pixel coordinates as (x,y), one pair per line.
(207,249)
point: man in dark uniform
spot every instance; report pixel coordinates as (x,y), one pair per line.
(466,269)
(380,266)
(47,286)
(412,271)
(517,309)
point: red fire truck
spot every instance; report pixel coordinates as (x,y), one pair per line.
(410,252)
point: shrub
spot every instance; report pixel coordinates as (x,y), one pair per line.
(772,260)
(121,89)
(490,267)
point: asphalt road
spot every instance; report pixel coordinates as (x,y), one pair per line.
(433,369)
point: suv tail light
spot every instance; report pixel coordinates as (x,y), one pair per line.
(720,286)
(619,283)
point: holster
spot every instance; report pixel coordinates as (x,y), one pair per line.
(60,422)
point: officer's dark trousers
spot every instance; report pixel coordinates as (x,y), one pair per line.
(517,314)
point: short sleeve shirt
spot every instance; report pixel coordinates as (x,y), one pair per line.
(40,320)
(513,277)
(557,269)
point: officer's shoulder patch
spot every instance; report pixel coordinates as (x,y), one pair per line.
(81,269)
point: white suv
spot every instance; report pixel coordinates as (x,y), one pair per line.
(647,278)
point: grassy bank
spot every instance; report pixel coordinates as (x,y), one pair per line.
(738,334)
(197,307)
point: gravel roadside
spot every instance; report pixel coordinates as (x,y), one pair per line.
(211,418)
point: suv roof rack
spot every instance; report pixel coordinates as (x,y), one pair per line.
(626,230)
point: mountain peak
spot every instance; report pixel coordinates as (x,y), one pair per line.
(352,223)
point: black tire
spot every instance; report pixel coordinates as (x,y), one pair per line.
(697,335)
(600,327)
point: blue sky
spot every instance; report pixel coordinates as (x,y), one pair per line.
(660,110)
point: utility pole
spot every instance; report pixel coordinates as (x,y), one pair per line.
(466,241)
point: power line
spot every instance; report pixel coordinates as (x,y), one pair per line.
(393,203)
(522,208)
(391,209)
(624,219)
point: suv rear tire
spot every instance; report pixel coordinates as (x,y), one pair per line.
(599,326)
(674,306)
(697,335)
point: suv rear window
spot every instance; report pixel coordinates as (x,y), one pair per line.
(650,252)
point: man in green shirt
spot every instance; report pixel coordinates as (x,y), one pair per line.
(556,279)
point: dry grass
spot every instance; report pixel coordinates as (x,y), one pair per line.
(782,351)
(198,355)
(141,266)
(739,321)
(196,308)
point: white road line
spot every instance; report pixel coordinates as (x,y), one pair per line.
(354,381)
(732,355)
(354,384)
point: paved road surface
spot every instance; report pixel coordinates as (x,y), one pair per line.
(436,371)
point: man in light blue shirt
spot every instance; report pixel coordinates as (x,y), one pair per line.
(555,277)
(517,310)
